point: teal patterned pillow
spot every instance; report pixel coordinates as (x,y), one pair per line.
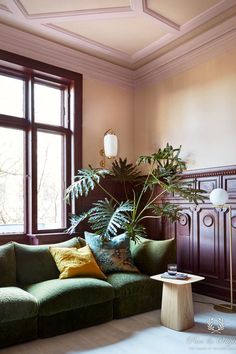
(112,255)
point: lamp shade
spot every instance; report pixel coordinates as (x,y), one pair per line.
(218,197)
(110,145)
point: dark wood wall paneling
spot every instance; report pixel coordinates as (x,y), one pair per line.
(202,233)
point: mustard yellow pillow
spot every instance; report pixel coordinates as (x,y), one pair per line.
(73,262)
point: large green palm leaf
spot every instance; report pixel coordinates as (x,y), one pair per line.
(85,181)
(77,219)
(107,218)
(125,172)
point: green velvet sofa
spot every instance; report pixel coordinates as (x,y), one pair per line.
(34,303)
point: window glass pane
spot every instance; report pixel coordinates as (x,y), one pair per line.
(50,181)
(11,96)
(11,181)
(47,104)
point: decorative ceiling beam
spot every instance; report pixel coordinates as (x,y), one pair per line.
(4,8)
(29,45)
(137,6)
(73,13)
(87,43)
(164,22)
(14,8)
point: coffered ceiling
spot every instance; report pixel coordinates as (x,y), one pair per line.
(129,33)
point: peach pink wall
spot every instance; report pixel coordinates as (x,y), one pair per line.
(196,108)
(106,106)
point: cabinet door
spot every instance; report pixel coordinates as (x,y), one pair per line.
(184,241)
(206,242)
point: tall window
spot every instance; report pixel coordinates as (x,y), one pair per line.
(39,146)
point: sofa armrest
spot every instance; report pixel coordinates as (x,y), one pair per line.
(152,256)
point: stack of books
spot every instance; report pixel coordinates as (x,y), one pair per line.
(179,276)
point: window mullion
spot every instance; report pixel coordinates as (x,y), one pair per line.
(32,158)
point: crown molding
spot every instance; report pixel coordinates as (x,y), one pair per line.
(90,44)
(181,30)
(44,22)
(26,44)
(162,19)
(61,14)
(4,8)
(216,41)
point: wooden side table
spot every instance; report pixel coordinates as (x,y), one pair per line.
(177,303)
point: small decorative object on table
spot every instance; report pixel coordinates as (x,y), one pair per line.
(178,276)
(172,269)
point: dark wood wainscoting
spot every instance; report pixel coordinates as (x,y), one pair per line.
(202,233)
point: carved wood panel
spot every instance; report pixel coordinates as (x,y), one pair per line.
(208,242)
(203,236)
(184,241)
(229,183)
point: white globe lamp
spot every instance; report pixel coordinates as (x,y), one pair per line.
(219,197)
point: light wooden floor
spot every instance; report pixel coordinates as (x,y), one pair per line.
(142,334)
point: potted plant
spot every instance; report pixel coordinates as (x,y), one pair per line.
(144,194)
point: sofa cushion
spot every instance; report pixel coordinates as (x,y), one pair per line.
(112,255)
(16,304)
(57,295)
(134,293)
(73,262)
(152,256)
(35,263)
(130,284)
(7,265)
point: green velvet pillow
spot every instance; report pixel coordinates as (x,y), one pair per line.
(111,255)
(35,263)
(152,256)
(7,265)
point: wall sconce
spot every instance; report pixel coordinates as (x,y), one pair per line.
(219,198)
(110,144)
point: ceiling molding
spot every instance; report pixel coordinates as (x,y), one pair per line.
(137,5)
(163,20)
(214,42)
(44,22)
(14,8)
(52,15)
(29,45)
(142,53)
(4,8)
(93,45)
(207,15)
(185,28)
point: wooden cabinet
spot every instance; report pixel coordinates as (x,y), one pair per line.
(202,234)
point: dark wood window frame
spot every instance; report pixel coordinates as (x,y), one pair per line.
(30,70)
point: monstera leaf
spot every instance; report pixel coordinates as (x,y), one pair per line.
(172,211)
(77,219)
(85,181)
(165,161)
(107,218)
(125,172)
